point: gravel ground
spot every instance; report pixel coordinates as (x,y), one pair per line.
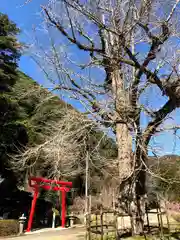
(60,234)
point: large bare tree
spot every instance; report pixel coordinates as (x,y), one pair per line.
(117,58)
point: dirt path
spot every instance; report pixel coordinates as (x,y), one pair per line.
(64,234)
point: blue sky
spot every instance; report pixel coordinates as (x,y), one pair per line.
(26,17)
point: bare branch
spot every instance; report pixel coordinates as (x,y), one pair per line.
(159,117)
(72,40)
(172,10)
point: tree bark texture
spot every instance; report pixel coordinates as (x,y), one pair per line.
(130,165)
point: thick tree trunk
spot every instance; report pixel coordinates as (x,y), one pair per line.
(132,179)
(123,135)
(124,143)
(135,192)
(140,190)
(131,169)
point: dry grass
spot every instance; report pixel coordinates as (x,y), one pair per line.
(9,227)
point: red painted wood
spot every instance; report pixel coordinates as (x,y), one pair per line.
(44,180)
(61,189)
(63,211)
(39,183)
(49,187)
(33,205)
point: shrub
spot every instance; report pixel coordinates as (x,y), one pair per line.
(78,205)
(9,227)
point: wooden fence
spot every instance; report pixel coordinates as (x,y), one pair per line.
(114,225)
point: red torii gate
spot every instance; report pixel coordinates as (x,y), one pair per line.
(45,184)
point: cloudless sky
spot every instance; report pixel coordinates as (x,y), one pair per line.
(26,17)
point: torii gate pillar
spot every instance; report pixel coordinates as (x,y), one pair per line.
(45,184)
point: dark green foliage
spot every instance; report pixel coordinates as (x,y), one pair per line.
(37,107)
(40,108)
(50,196)
(23,109)
(8,110)
(12,137)
(26,109)
(107,146)
(9,53)
(12,133)
(14,202)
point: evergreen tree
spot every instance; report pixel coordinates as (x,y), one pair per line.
(12,134)
(9,53)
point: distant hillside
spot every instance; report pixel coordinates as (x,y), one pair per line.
(38,109)
(37,106)
(163,179)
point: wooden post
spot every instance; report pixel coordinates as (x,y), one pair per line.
(88,227)
(101,217)
(87,185)
(63,211)
(96,219)
(147,217)
(116,226)
(33,205)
